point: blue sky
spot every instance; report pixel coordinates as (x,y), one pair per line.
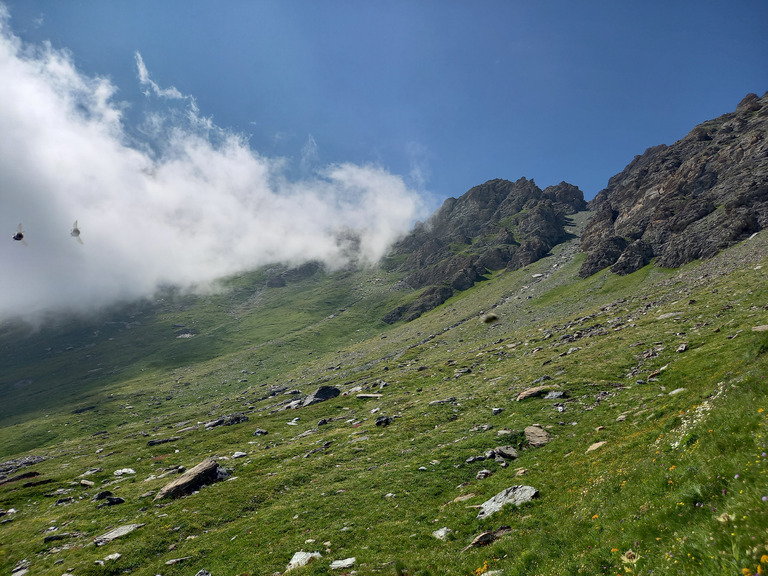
(448,94)
(193,140)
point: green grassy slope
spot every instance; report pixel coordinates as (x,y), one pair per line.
(679,480)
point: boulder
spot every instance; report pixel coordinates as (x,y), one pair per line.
(300,559)
(227,420)
(536,391)
(488,537)
(517,495)
(321,395)
(159,441)
(506,452)
(207,472)
(536,436)
(345,563)
(116,533)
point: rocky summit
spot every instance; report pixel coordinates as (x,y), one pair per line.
(496,225)
(686,201)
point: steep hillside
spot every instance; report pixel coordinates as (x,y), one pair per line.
(632,407)
(406,419)
(685,201)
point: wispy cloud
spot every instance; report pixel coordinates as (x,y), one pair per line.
(150,84)
(202,204)
(309,155)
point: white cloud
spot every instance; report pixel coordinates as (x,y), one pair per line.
(147,82)
(186,208)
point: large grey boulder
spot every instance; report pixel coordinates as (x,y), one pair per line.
(321,395)
(207,472)
(513,495)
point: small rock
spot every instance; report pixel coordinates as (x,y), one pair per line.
(301,558)
(260,432)
(111,501)
(497,411)
(762,328)
(228,420)
(203,572)
(535,391)
(682,348)
(87,483)
(159,441)
(115,556)
(239,455)
(506,452)
(346,563)
(173,561)
(444,401)
(595,446)
(383,421)
(442,534)
(21,568)
(116,533)
(536,435)
(483,474)
(485,538)
(676,391)
(124,471)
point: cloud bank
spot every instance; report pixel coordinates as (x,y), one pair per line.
(185,205)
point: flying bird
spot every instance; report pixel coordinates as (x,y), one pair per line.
(19,236)
(75,233)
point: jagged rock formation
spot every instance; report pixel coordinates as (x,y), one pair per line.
(686,201)
(499,224)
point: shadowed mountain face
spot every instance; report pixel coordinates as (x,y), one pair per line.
(499,224)
(686,201)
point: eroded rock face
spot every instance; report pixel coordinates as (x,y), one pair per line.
(686,201)
(496,225)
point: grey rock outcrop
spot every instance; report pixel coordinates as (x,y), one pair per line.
(496,225)
(686,201)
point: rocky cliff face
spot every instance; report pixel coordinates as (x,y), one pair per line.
(686,201)
(499,224)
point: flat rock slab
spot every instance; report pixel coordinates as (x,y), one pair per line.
(596,446)
(513,495)
(506,452)
(536,436)
(228,420)
(206,472)
(345,563)
(300,559)
(116,533)
(536,391)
